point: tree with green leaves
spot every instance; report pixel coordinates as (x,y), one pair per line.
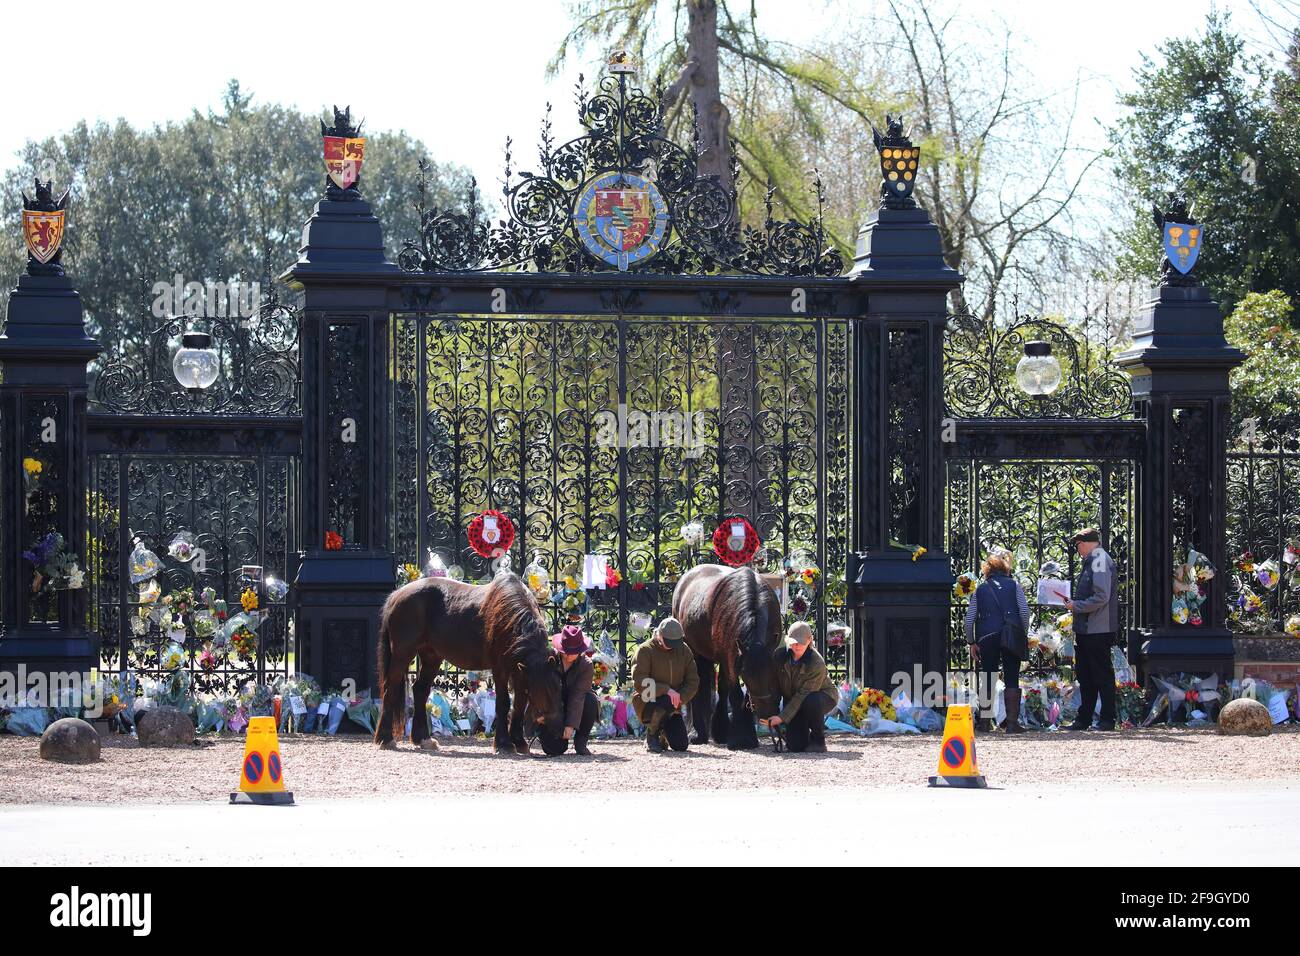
(1001,170)
(1222,127)
(218,196)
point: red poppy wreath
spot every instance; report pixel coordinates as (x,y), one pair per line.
(725,541)
(491,534)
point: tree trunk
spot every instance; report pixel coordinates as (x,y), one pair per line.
(706,91)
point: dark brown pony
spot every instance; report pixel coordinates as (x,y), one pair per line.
(496,627)
(732,622)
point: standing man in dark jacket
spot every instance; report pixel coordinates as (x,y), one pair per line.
(1095,605)
(807,694)
(580,704)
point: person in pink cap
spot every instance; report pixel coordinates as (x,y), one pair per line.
(580,704)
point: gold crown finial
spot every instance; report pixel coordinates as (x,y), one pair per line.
(620,61)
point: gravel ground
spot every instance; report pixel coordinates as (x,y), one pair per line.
(352,766)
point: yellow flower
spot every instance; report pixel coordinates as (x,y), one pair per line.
(248,599)
(571,584)
(32,466)
(917,553)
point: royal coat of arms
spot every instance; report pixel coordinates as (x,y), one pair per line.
(344,150)
(43,220)
(621,219)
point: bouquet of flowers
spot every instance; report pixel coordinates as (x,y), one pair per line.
(144,563)
(802,576)
(244,641)
(56,569)
(964,587)
(538,580)
(182,547)
(870,699)
(571,598)
(406,573)
(1190,579)
(300,696)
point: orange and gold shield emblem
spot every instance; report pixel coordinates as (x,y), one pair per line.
(43,233)
(343,156)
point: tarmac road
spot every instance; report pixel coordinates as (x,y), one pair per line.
(1251,822)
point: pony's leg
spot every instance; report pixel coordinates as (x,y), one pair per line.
(517,723)
(742,735)
(429,664)
(721,721)
(393,713)
(702,704)
(501,738)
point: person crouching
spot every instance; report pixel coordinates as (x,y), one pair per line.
(664,679)
(807,694)
(580,704)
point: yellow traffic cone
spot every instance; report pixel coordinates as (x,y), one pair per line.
(261,779)
(957,765)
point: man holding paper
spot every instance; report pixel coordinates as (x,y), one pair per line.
(1096,621)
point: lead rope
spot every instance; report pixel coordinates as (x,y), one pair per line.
(778,737)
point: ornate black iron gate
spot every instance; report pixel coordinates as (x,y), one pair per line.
(219,464)
(1024,472)
(606,434)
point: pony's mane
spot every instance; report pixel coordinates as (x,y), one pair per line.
(509,608)
(738,602)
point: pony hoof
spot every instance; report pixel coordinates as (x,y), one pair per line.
(507,750)
(742,745)
(523,750)
(428,743)
(698,740)
(388,745)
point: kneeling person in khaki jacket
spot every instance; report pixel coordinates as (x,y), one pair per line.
(807,694)
(664,679)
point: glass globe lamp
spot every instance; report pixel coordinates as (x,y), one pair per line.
(1038,373)
(196,364)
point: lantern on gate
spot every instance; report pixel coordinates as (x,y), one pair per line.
(899,164)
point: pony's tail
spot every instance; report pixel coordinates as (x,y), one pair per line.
(385,655)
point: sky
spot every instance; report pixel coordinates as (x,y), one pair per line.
(461,76)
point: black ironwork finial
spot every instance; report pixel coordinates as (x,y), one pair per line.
(899,160)
(621,195)
(345,150)
(1181,238)
(43,224)
(621,61)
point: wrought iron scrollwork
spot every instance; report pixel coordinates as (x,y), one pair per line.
(260,371)
(980,360)
(624,134)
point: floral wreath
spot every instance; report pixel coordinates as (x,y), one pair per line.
(481,546)
(722,542)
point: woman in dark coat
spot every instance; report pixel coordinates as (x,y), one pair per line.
(998,598)
(580,704)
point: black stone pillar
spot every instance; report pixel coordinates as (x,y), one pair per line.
(901,598)
(342,272)
(43,356)
(1180,363)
